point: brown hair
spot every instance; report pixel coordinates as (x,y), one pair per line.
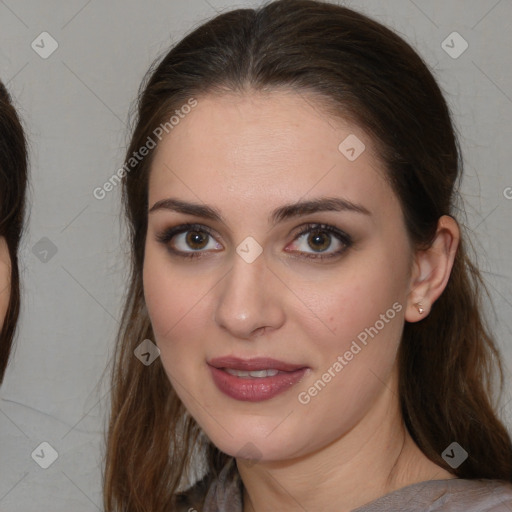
(365,72)
(13,184)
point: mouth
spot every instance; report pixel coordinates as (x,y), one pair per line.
(255,379)
(257,374)
(255,364)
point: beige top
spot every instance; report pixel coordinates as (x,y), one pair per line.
(225,494)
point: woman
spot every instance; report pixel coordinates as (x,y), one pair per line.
(296,262)
(13,183)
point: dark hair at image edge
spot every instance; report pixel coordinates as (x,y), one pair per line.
(358,70)
(13,184)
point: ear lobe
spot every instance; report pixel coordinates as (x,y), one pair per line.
(432,268)
(5,279)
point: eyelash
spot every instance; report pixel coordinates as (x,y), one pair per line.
(167,235)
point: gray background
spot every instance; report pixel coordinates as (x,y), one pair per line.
(75,106)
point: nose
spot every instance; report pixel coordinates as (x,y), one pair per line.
(251,299)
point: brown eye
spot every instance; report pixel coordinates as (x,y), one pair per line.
(319,240)
(188,240)
(196,239)
(321,237)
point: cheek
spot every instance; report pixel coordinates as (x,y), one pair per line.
(5,291)
(4,303)
(363,337)
(362,316)
(365,317)
(175,304)
(343,306)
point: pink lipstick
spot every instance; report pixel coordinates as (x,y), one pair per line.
(256,379)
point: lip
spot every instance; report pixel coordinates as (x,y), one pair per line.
(253,364)
(254,389)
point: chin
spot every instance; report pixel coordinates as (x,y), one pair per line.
(250,443)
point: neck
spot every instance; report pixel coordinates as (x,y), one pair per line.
(375,457)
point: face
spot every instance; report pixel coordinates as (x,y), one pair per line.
(5,280)
(322,290)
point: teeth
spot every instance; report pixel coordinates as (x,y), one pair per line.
(255,374)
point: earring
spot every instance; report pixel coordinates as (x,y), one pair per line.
(419,306)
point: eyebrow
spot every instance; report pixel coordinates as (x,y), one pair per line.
(278,215)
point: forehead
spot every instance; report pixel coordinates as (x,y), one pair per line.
(264,146)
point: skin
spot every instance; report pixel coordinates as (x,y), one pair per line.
(246,155)
(5,279)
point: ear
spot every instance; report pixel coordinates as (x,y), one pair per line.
(5,279)
(431,269)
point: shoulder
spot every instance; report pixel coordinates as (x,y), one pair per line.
(452,495)
(485,496)
(471,495)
